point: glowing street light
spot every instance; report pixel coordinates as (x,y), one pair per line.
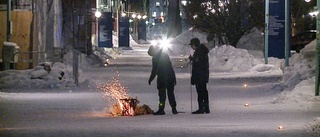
(97,14)
(144,16)
(134,16)
(139,16)
(123,14)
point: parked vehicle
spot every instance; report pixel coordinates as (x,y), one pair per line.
(300,40)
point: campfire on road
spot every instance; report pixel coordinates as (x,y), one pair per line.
(124,104)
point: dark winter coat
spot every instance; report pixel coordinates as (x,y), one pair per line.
(162,68)
(200,65)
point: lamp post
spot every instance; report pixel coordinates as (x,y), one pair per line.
(317,51)
(8,20)
(266,32)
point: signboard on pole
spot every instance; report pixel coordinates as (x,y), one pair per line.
(276,30)
(124,32)
(105,30)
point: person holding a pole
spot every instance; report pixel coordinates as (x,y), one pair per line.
(200,74)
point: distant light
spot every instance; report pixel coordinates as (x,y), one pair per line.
(134,16)
(313,14)
(147,22)
(184,2)
(307,0)
(280,128)
(130,20)
(144,16)
(123,14)
(139,16)
(97,14)
(153,23)
(195,16)
(245,85)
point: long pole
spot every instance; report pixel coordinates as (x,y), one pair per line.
(8,20)
(266,32)
(287,32)
(190,86)
(317,52)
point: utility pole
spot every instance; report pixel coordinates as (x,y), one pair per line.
(266,32)
(8,20)
(287,32)
(317,51)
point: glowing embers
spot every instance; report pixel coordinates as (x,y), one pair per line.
(280,127)
(128,106)
(125,105)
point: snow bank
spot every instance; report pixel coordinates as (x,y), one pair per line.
(229,59)
(57,75)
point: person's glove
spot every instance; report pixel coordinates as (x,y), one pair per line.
(149,82)
(192,81)
(190,58)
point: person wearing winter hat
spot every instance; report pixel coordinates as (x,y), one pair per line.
(200,74)
(166,78)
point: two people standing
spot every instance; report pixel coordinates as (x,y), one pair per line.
(166,79)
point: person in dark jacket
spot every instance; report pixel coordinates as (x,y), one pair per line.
(200,74)
(166,78)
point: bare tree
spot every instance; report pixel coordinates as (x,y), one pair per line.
(228,21)
(174,26)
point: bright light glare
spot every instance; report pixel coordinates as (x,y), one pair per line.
(154,42)
(307,0)
(165,44)
(97,14)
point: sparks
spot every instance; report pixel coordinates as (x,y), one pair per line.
(113,90)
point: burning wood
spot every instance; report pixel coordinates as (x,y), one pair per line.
(129,107)
(125,105)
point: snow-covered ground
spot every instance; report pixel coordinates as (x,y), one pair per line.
(296,86)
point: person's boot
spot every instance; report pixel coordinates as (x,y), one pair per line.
(200,110)
(159,112)
(174,110)
(206,107)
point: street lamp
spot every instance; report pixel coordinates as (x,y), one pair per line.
(97,14)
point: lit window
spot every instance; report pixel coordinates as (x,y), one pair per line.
(154,14)
(157,4)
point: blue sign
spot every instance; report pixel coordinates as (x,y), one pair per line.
(124,32)
(105,30)
(276,41)
(142,30)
